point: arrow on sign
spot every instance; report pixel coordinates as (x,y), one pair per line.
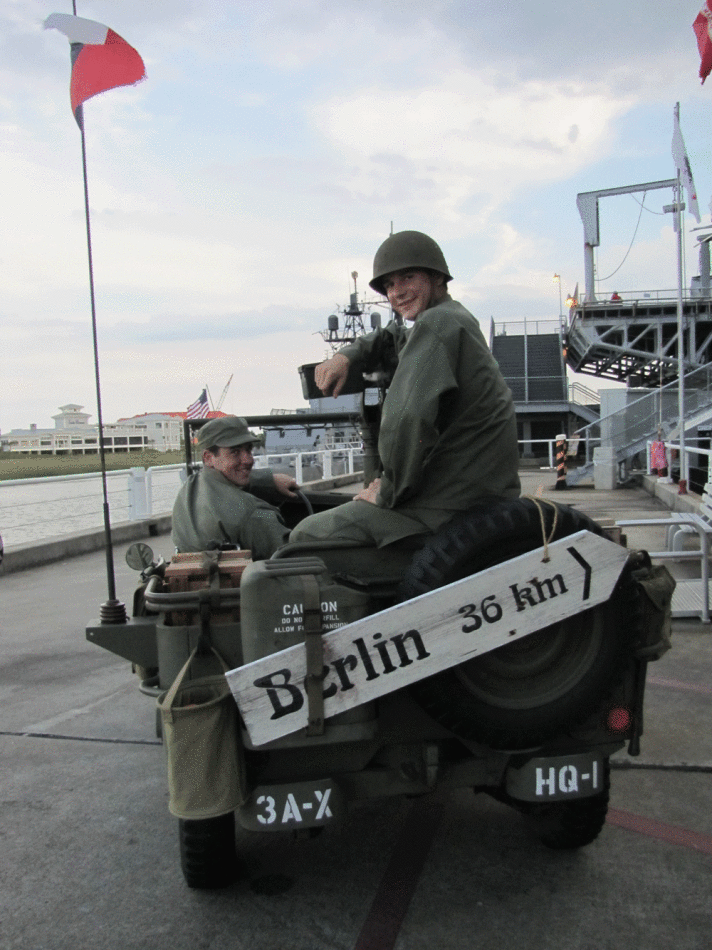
(587,572)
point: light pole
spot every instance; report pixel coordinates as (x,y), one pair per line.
(557,280)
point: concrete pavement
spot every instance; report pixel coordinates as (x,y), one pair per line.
(90,853)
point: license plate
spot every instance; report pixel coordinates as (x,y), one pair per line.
(557,778)
(292,806)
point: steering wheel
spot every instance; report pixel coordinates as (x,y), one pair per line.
(304,500)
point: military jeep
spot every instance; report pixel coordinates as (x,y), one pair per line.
(507,653)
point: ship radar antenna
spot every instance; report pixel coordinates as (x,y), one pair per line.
(348,322)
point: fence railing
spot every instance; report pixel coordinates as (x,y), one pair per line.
(35,509)
(343,460)
(643,297)
(656,411)
(691,450)
(583,396)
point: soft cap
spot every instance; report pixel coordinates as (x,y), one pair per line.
(226,431)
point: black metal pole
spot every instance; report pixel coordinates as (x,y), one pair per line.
(112,611)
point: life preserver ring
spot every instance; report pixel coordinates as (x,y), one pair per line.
(531,690)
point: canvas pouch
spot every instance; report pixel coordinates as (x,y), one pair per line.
(656,585)
(204,753)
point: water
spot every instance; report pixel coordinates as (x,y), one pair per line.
(36,510)
(40,511)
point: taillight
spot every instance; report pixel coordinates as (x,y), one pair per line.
(619,719)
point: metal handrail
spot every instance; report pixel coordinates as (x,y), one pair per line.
(225,598)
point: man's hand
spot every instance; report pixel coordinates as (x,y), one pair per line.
(371,493)
(285,484)
(331,375)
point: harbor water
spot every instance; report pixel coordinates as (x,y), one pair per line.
(48,508)
(39,509)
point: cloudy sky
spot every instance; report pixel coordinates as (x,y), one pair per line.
(270,149)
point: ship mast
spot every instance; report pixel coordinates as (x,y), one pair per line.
(350,325)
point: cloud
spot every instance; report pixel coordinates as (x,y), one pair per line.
(463,135)
(236,326)
(269,151)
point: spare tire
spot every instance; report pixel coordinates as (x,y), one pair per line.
(533,689)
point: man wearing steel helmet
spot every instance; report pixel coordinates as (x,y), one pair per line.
(448,431)
(226,502)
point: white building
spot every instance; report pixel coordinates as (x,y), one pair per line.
(164,429)
(72,434)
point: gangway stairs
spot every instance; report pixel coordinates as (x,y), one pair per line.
(643,338)
(635,340)
(647,417)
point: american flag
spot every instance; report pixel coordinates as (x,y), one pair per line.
(200,408)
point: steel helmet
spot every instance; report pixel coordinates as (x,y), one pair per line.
(405,250)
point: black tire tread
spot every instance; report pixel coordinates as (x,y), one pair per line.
(491,533)
(567,825)
(207,851)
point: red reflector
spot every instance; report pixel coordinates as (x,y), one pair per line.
(619,719)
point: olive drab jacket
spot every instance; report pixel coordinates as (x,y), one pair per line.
(448,430)
(210,508)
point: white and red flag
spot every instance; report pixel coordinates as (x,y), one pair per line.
(101,59)
(682,163)
(703,30)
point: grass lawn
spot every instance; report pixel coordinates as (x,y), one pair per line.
(34,466)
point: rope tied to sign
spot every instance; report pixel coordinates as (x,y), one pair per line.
(539,502)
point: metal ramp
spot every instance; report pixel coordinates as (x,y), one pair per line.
(688,600)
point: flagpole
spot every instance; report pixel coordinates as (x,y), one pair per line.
(684,178)
(92,46)
(112,611)
(680,342)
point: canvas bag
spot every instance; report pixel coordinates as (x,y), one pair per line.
(201,734)
(656,584)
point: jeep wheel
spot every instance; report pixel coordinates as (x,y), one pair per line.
(525,692)
(207,851)
(562,825)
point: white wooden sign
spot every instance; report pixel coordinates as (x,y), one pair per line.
(388,650)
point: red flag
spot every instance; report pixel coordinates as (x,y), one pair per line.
(702,26)
(101,59)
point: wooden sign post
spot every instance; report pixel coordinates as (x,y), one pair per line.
(388,650)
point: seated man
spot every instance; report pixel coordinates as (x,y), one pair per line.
(448,431)
(226,502)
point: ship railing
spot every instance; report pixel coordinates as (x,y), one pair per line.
(63,504)
(35,509)
(672,454)
(583,396)
(627,298)
(550,389)
(654,415)
(316,464)
(526,327)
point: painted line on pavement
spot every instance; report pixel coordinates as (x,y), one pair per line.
(678,684)
(673,834)
(52,735)
(400,879)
